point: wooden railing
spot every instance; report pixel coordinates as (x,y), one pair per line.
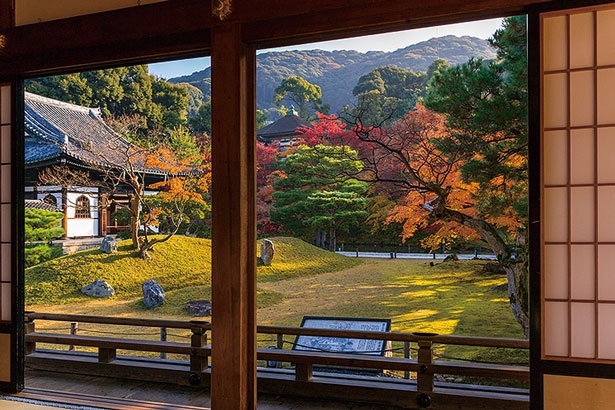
(294,371)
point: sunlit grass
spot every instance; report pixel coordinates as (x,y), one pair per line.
(180,263)
(447,298)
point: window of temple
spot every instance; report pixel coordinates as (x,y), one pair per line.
(82,207)
(51,200)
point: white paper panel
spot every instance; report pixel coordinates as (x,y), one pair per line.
(583,322)
(555,158)
(606,34)
(606,213)
(5,104)
(556,271)
(606,272)
(582,96)
(555,43)
(5,302)
(582,40)
(556,329)
(5,144)
(582,221)
(606,96)
(583,272)
(555,100)
(582,156)
(555,214)
(5,262)
(606,331)
(606,147)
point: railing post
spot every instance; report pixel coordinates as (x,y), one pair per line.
(106,355)
(424,377)
(280,346)
(163,338)
(74,329)
(303,372)
(198,360)
(29,347)
(406,356)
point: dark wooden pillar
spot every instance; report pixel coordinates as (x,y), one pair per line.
(6,15)
(233,384)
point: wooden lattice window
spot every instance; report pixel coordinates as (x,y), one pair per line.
(82,207)
(51,200)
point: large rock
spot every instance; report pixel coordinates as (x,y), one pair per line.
(199,308)
(108,244)
(267,252)
(98,289)
(153,294)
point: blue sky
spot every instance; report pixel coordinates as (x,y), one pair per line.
(382,42)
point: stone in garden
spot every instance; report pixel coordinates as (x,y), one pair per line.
(108,244)
(451,257)
(153,294)
(199,308)
(98,289)
(267,251)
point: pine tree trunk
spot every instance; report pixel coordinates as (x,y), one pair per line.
(332,240)
(135,212)
(514,264)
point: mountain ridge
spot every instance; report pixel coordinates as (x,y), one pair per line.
(338,71)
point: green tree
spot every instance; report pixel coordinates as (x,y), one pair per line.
(486,104)
(387,93)
(301,93)
(42,225)
(118,92)
(315,182)
(201,121)
(183,144)
(335,211)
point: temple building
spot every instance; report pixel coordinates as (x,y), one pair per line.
(62,134)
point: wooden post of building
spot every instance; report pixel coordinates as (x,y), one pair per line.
(198,340)
(233,369)
(424,377)
(163,338)
(74,329)
(407,356)
(29,347)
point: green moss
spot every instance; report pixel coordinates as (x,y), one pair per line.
(180,263)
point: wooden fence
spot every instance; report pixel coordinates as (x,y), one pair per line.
(296,372)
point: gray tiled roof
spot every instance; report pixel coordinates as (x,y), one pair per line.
(39,204)
(56,130)
(283,128)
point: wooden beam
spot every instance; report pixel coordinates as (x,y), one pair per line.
(281,22)
(7,15)
(144,33)
(233,71)
(182,29)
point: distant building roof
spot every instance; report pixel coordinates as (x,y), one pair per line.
(285,127)
(40,204)
(58,132)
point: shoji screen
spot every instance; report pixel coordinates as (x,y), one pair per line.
(578,185)
(7,290)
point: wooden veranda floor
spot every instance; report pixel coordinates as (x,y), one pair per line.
(114,394)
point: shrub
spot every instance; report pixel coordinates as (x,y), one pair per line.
(39,253)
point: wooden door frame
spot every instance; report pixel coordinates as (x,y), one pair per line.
(258,25)
(538,366)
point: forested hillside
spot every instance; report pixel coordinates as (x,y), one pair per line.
(337,72)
